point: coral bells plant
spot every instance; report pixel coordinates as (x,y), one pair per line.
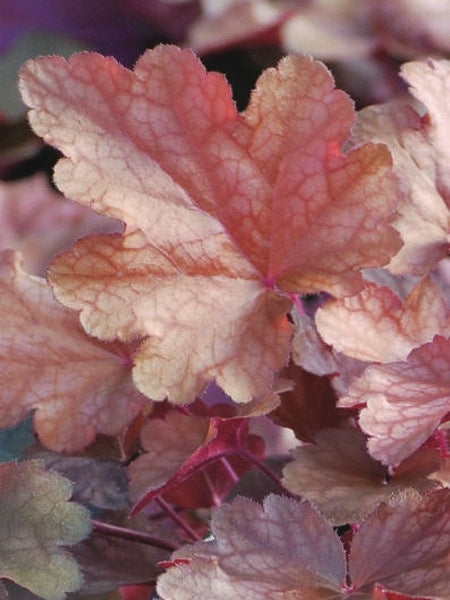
(278,282)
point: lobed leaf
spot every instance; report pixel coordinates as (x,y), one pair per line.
(275,550)
(375,325)
(406,401)
(285,550)
(77,385)
(210,198)
(338,476)
(404,546)
(420,152)
(37,519)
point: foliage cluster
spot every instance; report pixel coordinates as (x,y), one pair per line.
(233,381)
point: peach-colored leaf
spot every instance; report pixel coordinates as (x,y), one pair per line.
(283,550)
(404,546)
(36,520)
(374,325)
(429,82)
(420,152)
(78,385)
(406,401)
(39,222)
(225,213)
(338,476)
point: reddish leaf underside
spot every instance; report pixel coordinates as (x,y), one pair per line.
(309,407)
(168,462)
(224,212)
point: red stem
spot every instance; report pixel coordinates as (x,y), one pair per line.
(231,472)
(443,444)
(130,534)
(173,515)
(298,304)
(268,472)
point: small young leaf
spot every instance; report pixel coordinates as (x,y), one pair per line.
(37,518)
(168,444)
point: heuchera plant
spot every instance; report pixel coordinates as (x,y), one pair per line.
(150,353)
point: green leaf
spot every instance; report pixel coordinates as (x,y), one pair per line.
(37,519)
(14,439)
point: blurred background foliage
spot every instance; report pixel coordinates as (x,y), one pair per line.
(362,41)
